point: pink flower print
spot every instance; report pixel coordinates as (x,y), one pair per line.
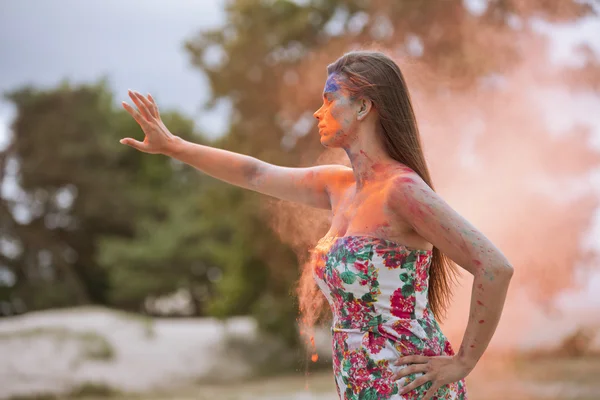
(448,350)
(354,244)
(358,371)
(402,307)
(362,379)
(373,342)
(334,279)
(362,266)
(402,327)
(339,340)
(421,272)
(407,348)
(358,312)
(383,366)
(393,259)
(422,262)
(414,394)
(433,348)
(383,388)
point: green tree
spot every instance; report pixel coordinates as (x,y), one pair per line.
(262,60)
(70,184)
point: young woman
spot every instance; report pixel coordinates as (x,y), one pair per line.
(384,266)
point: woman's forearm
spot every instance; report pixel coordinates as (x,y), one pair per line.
(487,301)
(234,168)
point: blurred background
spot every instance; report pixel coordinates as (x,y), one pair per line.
(128,275)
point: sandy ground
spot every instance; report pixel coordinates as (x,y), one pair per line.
(542,379)
(549,379)
(56,351)
(523,379)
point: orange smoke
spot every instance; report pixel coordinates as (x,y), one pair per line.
(507,152)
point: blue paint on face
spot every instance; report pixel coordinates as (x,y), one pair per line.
(331,85)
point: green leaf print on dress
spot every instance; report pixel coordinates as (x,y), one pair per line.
(348,277)
(376,289)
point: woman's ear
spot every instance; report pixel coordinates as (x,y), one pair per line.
(364,106)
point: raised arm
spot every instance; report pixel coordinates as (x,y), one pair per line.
(311,186)
(432,218)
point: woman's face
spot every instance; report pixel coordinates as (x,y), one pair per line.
(337,115)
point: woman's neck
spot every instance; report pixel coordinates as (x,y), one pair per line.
(369,161)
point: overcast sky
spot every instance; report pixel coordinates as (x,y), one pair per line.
(138,44)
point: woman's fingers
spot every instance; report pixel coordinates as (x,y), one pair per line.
(412,369)
(415,384)
(431,392)
(146,115)
(149,101)
(147,104)
(154,105)
(133,143)
(134,113)
(415,359)
(142,109)
(147,110)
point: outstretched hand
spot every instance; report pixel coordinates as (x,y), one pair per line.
(440,371)
(158,139)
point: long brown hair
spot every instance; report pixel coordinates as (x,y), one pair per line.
(375,76)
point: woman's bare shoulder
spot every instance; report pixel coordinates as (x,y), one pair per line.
(338,179)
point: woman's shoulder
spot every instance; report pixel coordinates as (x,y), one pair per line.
(339,178)
(406,186)
(338,175)
(404,178)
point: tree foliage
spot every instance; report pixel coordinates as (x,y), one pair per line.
(269,58)
(87,220)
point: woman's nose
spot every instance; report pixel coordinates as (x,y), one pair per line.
(316,114)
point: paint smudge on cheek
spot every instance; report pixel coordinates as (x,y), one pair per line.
(333,123)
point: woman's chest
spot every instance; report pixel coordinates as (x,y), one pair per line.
(364,213)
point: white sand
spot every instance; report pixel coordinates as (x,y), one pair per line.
(45,352)
(41,352)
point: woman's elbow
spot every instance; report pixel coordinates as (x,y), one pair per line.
(504,270)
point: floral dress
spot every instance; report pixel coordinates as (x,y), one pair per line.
(377,290)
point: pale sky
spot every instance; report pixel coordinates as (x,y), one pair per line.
(138,44)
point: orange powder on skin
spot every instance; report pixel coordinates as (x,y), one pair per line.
(507,149)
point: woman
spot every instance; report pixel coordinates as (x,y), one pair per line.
(384,264)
